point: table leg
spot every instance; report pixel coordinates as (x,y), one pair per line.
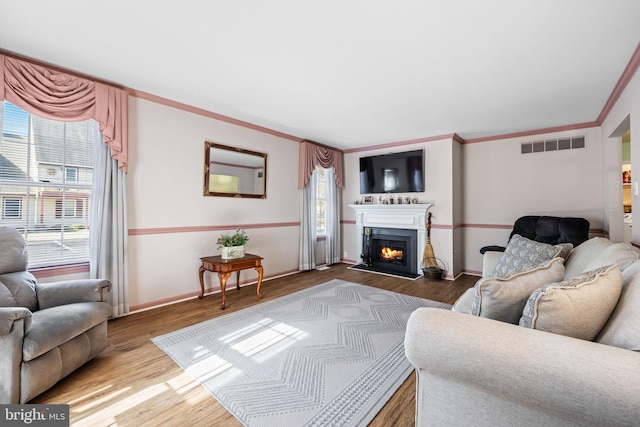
(202,270)
(238,280)
(223,284)
(259,270)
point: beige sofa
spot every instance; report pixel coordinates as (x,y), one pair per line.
(475,370)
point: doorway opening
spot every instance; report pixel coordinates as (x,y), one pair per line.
(628,181)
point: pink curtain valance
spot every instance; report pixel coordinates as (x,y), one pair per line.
(312,155)
(59,96)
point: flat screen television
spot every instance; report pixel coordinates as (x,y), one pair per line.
(392,173)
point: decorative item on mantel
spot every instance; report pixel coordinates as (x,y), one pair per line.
(430,267)
(232,246)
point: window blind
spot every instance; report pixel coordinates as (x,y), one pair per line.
(46,174)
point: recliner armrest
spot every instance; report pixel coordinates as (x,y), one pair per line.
(14,322)
(492,248)
(72,291)
(8,315)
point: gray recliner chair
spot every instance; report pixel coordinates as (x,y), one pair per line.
(46,330)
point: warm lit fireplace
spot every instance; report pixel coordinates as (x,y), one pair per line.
(391,254)
(390,250)
(408,221)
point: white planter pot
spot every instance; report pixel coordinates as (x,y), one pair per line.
(230,252)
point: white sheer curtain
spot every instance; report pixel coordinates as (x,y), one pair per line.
(108,237)
(307,255)
(332,212)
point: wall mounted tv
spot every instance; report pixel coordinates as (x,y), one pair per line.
(392,173)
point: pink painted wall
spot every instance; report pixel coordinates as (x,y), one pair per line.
(172,225)
(501,184)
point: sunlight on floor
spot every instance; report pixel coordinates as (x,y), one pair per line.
(109,407)
(213,367)
(257,342)
(107,416)
(183,383)
(88,395)
(101,400)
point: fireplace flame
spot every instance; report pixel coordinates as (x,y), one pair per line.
(389,253)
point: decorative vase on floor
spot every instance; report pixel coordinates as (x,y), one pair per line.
(230,252)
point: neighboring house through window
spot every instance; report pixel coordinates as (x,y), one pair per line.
(46,174)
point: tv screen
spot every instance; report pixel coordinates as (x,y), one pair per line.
(392,173)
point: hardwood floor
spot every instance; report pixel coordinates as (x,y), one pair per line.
(134,383)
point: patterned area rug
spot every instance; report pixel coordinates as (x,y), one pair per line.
(330,355)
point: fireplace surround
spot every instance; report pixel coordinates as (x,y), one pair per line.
(408,222)
(390,250)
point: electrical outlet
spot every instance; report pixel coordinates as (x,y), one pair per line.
(345,254)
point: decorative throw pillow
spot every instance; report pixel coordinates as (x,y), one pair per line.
(577,307)
(523,254)
(504,298)
(565,250)
(623,327)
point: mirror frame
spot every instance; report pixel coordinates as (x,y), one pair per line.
(207,161)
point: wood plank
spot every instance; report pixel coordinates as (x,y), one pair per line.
(134,383)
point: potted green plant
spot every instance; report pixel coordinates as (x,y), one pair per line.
(232,245)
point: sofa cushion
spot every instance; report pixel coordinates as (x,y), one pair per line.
(622,329)
(583,254)
(504,298)
(617,253)
(578,307)
(56,325)
(523,254)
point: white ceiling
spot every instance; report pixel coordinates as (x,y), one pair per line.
(347,73)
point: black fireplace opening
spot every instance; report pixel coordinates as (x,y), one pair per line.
(390,250)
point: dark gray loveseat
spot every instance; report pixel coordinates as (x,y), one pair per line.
(46,330)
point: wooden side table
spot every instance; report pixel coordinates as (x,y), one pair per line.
(224,268)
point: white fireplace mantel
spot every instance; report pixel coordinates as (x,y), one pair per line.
(406,216)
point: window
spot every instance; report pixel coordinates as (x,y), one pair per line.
(69,208)
(46,174)
(71,174)
(11,207)
(321,201)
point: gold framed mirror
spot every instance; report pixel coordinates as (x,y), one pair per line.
(234,172)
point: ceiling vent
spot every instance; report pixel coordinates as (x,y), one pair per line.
(552,145)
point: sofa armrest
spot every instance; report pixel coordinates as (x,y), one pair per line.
(72,291)
(489,261)
(571,379)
